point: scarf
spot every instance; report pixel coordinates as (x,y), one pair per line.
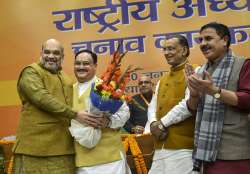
(210,114)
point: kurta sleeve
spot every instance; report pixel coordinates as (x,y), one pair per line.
(129,124)
(243,91)
(152,110)
(120,117)
(31,87)
(178,113)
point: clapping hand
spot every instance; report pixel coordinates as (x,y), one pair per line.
(190,75)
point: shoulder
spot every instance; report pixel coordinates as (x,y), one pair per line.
(67,78)
(246,66)
(30,69)
(136,96)
(247,61)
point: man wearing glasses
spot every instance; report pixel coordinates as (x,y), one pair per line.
(138,106)
(173,135)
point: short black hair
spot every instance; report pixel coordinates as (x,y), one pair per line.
(182,41)
(93,55)
(221,29)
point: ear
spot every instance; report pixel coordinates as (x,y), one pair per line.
(184,52)
(225,38)
(62,57)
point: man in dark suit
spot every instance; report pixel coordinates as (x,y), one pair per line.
(138,107)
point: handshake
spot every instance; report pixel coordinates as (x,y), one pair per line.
(158,130)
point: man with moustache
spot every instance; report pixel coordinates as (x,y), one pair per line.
(138,106)
(44,144)
(174,137)
(220,92)
(108,156)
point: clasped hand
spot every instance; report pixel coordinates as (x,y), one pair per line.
(199,84)
(158,131)
(96,121)
(138,129)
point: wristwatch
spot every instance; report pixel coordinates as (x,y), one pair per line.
(160,126)
(217,94)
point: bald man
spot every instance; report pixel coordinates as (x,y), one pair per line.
(44,144)
(138,107)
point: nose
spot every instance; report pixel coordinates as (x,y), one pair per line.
(81,65)
(165,53)
(203,42)
(51,55)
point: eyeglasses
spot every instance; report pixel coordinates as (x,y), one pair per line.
(144,82)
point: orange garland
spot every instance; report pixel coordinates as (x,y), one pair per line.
(11,162)
(139,161)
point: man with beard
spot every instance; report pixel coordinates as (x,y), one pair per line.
(138,106)
(107,157)
(220,92)
(174,136)
(44,144)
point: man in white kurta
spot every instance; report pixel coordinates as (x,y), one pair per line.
(108,156)
(173,155)
(166,160)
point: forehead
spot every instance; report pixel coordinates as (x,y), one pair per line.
(171,42)
(86,57)
(144,78)
(52,46)
(208,32)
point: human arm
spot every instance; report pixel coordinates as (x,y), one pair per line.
(243,91)
(239,98)
(182,111)
(119,118)
(153,126)
(178,113)
(114,121)
(152,110)
(129,124)
(92,120)
(208,87)
(194,94)
(32,88)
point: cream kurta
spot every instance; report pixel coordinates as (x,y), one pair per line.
(107,157)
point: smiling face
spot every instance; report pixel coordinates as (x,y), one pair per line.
(174,52)
(52,55)
(84,67)
(212,45)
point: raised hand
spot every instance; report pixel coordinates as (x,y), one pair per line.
(204,86)
(189,76)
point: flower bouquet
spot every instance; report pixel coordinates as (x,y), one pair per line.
(107,95)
